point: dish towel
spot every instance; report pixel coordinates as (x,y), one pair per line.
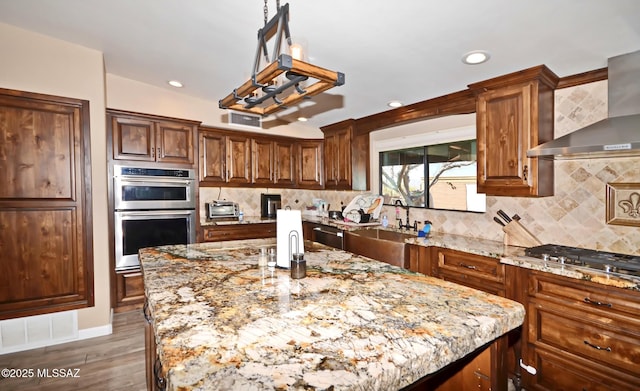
(288,231)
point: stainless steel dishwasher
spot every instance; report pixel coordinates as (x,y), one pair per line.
(328,235)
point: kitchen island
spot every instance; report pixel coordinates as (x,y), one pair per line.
(221,321)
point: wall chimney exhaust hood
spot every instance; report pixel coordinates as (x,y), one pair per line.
(618,135)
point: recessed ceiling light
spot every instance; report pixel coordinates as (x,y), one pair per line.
(175,83)
(476,57)
(394,103)
(303,119)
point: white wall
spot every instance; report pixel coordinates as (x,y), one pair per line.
(36,63)
(131,95)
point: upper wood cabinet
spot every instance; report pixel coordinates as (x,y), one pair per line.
(273,162)
(514,114)
(149,138)
(45,204)
(346,157)
(309,157)
(224,158)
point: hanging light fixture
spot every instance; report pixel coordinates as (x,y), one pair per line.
(286,79)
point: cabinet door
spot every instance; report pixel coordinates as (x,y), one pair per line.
(238,160)
(310,164)
(133,139)
(213,157)
(515,113)
(174,142)
(338,159)
(284,163)
(129,288)
(262,161)
(504,128)
(45,205)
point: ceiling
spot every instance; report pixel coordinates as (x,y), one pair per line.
(407,50)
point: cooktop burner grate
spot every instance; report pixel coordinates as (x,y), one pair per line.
(601,260)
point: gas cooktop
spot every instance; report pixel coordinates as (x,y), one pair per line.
(593,259)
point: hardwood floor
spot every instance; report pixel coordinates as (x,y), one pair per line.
(113,362)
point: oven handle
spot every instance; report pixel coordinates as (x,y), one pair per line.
(149,181)
(150,213)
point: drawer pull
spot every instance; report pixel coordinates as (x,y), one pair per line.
(598,303)
(471,267)
(607,349)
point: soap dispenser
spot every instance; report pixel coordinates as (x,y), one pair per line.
(424,232)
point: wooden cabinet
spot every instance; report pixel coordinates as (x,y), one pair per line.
(309,164)
(156,378)
(218,233)
(129,290)
(224,158)
(475,271)
(346,157)
(45,204)
(581,335)
(420,259)
(337,157)
(142,137)
(514,114)
(273,162)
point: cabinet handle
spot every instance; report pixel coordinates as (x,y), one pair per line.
(525,172)
(597,303)
(158,152)
(607,349)
(471,267)
(153,152)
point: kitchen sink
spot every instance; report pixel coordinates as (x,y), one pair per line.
(379,244)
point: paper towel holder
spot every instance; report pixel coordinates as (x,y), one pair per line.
(295,236)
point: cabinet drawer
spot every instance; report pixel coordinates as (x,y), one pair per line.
(557,372)
(470,264)
(495,288)
(239,232)
(130,288)
(615,345)
(585,296)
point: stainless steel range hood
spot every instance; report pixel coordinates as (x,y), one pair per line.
(618,135)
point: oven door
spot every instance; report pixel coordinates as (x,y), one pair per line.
(149,193)
(139,229)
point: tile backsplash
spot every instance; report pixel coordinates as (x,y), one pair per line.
(574,216)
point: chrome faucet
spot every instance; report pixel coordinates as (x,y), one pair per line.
(406,225)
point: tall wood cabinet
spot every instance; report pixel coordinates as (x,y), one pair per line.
(141,137)
(346,157)
(514,114)
(45,204)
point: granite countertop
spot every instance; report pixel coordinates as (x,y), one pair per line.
(510,255)
(223,322)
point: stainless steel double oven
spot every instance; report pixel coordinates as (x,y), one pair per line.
(153,207)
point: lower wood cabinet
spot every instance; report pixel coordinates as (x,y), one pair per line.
(129,290)
(218,233)
(156,378)
(581,335)
(481,370)
(475,271)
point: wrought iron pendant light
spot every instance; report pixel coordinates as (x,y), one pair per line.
(279,84)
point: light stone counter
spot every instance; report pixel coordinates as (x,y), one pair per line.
(222,322)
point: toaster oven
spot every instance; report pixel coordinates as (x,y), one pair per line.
(222,210)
